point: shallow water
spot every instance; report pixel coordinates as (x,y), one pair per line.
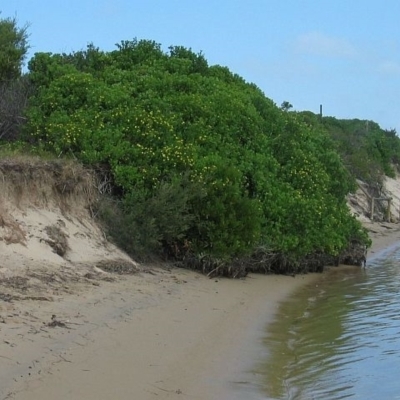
(339,339)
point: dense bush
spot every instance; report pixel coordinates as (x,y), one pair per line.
(13,101)
(14,89)
(147,224)
(368,151)
(202,160)
(13,48)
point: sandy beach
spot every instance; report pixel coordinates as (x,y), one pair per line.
(157,334)
(80,320)
(147,336)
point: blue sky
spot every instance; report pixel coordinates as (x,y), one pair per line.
(343,54)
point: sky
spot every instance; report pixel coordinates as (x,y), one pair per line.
(341,54)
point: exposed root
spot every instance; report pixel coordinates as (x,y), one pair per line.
(28,181)
(266,261)
(355,254)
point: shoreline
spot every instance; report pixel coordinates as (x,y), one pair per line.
(149,336)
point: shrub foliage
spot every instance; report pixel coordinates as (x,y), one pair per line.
(202,161)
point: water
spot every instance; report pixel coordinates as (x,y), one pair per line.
(339,339)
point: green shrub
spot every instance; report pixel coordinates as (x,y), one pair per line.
(203,161)
(148,223)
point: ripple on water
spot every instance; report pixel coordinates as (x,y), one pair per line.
(340,339)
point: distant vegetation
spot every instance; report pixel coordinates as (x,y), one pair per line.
(368,152)
(204,168)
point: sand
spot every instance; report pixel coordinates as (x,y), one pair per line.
(160,334)
(70,330)
(147,336)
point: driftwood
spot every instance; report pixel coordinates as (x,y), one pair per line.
(56,323)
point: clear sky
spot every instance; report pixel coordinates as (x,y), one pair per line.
(343,54)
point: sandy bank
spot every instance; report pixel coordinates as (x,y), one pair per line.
(160,335)
(151,336)
(69,330)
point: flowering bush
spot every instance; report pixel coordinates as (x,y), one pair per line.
(250,173)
